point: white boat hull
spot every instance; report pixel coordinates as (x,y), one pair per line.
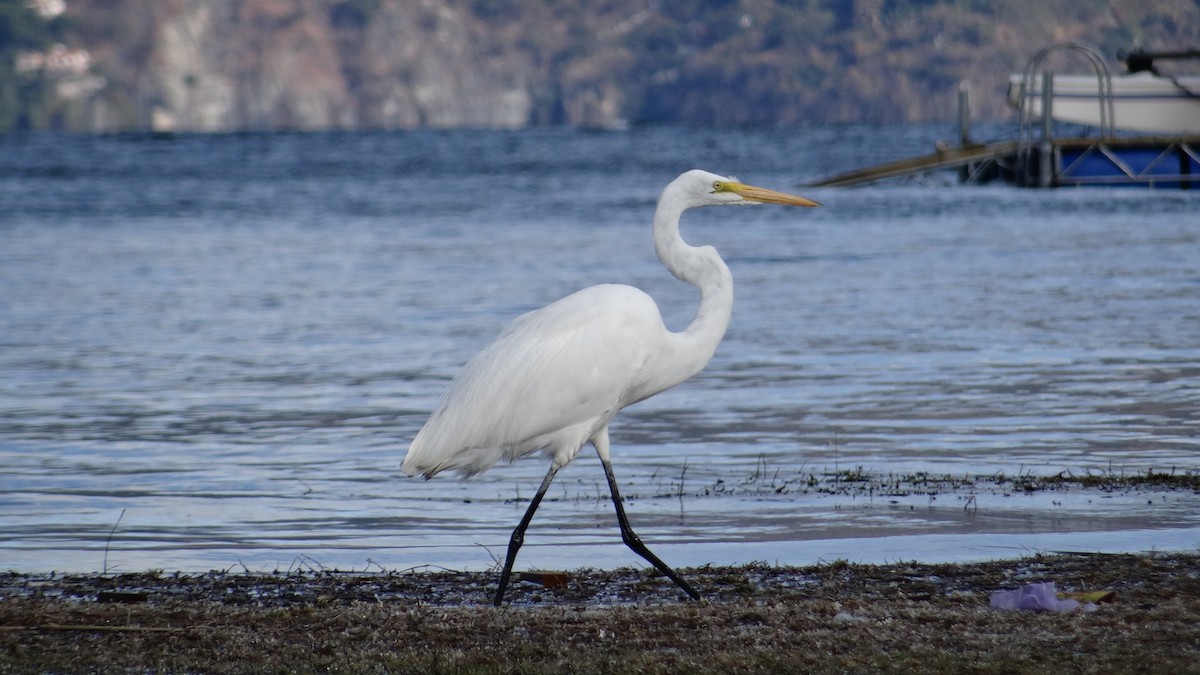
(1141,102)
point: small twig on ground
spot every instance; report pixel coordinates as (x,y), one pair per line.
(108,542)
(94,628)
(682,473)
(497,563)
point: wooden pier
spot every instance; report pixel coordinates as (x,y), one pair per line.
(961,157)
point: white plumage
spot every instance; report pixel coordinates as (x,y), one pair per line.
(551,380)
(556,376)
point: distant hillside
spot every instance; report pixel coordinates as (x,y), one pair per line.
(222,65)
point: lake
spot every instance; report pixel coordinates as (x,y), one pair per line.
(214,351)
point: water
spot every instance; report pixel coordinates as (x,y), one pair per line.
(214,350)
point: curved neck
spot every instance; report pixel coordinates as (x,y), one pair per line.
(702,267)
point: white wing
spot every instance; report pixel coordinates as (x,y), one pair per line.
(553,378)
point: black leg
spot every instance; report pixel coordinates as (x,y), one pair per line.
(518,535)
(634,542)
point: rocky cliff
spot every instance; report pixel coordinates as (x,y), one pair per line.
(221,65)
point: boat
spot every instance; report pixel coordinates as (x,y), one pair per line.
(1143,100)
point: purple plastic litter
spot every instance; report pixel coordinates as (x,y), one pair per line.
(1036,598)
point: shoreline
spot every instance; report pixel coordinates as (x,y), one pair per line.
(755,618)
(802,518)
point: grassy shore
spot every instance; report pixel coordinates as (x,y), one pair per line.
(835,617)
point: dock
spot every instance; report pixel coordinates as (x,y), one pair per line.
(960,157)
(1148,161)
(1039,158)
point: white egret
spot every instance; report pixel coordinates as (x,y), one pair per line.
(556,376)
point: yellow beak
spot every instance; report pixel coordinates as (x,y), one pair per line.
(764,196)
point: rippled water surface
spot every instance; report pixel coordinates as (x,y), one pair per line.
(215,349)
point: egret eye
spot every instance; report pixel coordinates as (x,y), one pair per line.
(718,186)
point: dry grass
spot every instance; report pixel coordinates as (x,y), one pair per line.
(836,617)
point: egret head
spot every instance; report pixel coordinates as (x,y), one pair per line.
(701,188)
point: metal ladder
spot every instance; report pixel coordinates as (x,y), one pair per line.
(1027,138)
